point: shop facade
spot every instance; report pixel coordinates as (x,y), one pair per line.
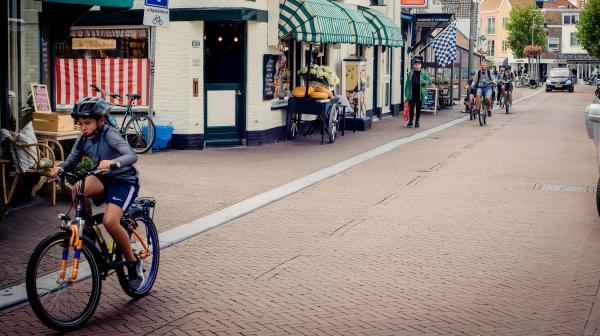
(209,66)
(31,29)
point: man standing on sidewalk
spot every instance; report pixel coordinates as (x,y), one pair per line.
(414,91)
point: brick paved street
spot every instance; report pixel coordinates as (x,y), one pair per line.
(449,235)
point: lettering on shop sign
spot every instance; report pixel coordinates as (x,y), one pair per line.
(269,68)
(196,43)
(197,63)
(93,43)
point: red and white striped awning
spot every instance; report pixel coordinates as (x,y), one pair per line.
(74,77)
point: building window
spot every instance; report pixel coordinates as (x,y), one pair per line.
(574,42)
(504,20)
(491,25)
(491,47)
(553,43)
(504,46)
(570,19)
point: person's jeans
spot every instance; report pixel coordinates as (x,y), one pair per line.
(415,104)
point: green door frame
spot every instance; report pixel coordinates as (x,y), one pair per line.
(226,135)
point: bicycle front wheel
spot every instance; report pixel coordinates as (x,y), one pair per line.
(149,237)
(506,105)
(140,133)
(59,303)
(482,117)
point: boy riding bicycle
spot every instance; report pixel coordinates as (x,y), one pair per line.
(507,79)
(483,82)
(118,188)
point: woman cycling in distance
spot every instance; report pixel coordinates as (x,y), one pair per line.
(118,188)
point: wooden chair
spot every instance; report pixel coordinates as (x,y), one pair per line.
(49,153)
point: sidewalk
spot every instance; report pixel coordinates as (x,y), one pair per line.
(192,184)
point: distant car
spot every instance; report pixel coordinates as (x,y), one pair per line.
(560,79)
(592,124)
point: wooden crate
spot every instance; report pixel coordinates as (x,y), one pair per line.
(52,121)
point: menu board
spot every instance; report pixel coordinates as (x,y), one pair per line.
(270,63)
(431,104)
(41,99)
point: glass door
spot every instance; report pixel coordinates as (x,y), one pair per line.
(386,87)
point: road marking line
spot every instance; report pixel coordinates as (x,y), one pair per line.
(15,295)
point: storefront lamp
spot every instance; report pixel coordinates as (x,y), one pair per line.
(220,38)
(235,39)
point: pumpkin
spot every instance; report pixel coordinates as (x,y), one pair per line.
(319,95)
(322,89)
(300,91)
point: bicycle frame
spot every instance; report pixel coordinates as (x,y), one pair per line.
(79,226)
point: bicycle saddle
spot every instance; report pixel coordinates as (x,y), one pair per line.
(133,96)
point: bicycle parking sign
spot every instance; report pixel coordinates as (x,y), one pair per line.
(156,13)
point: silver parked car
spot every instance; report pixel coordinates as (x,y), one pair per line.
(592,124)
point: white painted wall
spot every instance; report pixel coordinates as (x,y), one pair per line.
(566,41)
(177,63)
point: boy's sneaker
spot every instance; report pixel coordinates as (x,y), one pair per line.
(135,274)
(410,124)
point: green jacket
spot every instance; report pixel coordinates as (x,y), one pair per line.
(425,80)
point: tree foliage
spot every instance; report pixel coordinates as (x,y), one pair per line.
(588,28)
(520,24)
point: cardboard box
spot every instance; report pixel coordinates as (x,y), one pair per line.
(53,121)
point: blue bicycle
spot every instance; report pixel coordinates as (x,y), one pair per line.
(63,287)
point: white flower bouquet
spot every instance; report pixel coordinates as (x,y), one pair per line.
(322,74)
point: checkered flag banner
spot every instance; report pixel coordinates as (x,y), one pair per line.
(444,45)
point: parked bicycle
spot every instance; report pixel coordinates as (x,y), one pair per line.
(64,288)
(136,128)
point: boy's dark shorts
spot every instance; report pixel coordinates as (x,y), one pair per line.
(119,193)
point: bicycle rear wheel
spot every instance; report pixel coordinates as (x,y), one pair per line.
(147,231)
(482,117)
(58,303)
(140,133)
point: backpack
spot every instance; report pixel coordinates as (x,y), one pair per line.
(489,73)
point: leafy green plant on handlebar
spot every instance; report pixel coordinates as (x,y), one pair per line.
(86,165)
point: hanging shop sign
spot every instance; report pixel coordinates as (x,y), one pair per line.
(414,3)
(93,43)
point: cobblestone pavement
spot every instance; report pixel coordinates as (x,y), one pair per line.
(449,235)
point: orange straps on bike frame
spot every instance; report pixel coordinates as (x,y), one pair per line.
(144,254)
(75,242)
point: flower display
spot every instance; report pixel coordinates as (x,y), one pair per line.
(532,50)
(321,73)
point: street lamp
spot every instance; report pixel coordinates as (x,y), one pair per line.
(471,31)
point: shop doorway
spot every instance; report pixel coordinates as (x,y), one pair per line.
(386,86)
(224,83)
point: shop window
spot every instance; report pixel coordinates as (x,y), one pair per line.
(491,25)
(320,54)
(101,43)
(23,59)
(114,59)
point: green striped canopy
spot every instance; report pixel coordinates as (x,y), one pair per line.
(314,21)
(360,27)
(384,30)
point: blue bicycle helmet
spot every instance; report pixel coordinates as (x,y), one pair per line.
(90,107)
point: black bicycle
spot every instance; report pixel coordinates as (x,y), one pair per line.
(65,272)
(136,128)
